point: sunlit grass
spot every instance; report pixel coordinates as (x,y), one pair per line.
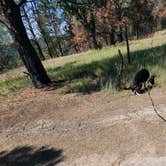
(13,85)
(158,39)
(96,69)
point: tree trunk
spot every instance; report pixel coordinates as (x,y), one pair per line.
(93,31)
(120,35)
(119,17)
(120,70)
(42,30)
(48,46)
(92,24)
(39,49)
(28,54)
(33,34)
(58,42)
(112,37)
(127,45)
(60,48)
(137,32)
(52,20)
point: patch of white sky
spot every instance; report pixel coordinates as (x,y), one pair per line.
(34,24)
(28,9)
(63,23)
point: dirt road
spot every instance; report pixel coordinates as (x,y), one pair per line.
(99,129)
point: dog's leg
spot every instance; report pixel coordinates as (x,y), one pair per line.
(144,85)
(139,86)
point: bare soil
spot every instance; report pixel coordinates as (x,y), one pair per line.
(44,128)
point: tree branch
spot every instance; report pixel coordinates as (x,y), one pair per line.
(5,24)
(76,3)
(21,2)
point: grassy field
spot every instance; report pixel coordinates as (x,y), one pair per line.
(97,69)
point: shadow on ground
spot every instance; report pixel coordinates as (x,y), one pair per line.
(102,74)
(29,156)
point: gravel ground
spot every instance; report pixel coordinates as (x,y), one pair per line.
(43,128)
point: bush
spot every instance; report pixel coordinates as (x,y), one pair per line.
(9,58)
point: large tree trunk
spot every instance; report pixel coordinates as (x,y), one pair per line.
(28,54)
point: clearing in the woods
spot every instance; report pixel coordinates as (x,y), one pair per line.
(102,128)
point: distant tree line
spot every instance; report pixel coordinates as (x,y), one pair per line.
(97,23)
(57,28)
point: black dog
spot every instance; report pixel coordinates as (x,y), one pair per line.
(151,80)
(141,78)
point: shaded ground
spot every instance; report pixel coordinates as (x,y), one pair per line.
(98,129)
(30,156)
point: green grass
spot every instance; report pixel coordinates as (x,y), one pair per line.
(102,74)
(13,85)
(96,69)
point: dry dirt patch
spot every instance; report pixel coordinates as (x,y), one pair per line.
(98,129)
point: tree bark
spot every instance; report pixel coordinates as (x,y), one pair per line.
(33,34)
(120,35)
(120,69)
(28,54)
(42,30)
(137,32)
(127,44)
(112,37)
(92,24)
(93,31)
(118,12)
(52,18)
